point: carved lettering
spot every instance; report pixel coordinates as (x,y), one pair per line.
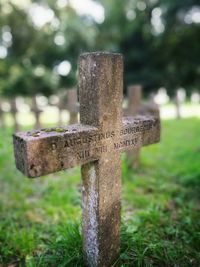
(125,143)
(100,150)
(83,154)
(89,139)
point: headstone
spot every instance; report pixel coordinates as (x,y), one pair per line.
(137,107)
(62,102)
(95,144)
(150,107)
(134,99)
(153,103)
(161,98)
(195,97)
(14,111)
(2,122)
(72,106)
(68,101)
(134,103)
(36,110)
(180,96)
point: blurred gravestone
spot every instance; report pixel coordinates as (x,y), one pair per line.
(134,99)
(150,107)
(195,97)
(36,110)
(137,107)
(2,122)
(14,111)
(96,144)
(72,106)
(68,101)
(134,103)
(179,99)
(161,98)
(62,96)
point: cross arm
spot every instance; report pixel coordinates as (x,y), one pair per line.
(46,151)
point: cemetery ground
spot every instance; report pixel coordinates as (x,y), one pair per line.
(40,219)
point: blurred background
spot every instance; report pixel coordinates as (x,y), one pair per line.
(40,42)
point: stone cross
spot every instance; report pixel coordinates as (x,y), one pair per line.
(95,144)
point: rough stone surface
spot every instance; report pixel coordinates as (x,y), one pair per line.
(40,152)
(96,144)
(101,89)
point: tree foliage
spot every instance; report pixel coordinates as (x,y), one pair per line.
(158,38)
(159,41)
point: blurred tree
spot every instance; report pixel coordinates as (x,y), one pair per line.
(179,44)
(25,71)
(128,25)
(158,38)
(41,40)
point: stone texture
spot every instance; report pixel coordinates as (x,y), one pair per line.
(101,89)
(40,152)
(96,144)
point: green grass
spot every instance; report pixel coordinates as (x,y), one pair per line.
(40,218)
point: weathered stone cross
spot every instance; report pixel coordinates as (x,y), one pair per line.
(96,144)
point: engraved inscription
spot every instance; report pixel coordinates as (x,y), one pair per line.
(125,143)
(146,126)
(84,154)
(91,138)
(101,149)
(69,148)
(95,138)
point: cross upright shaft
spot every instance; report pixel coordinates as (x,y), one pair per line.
(95,144)
(101,92)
